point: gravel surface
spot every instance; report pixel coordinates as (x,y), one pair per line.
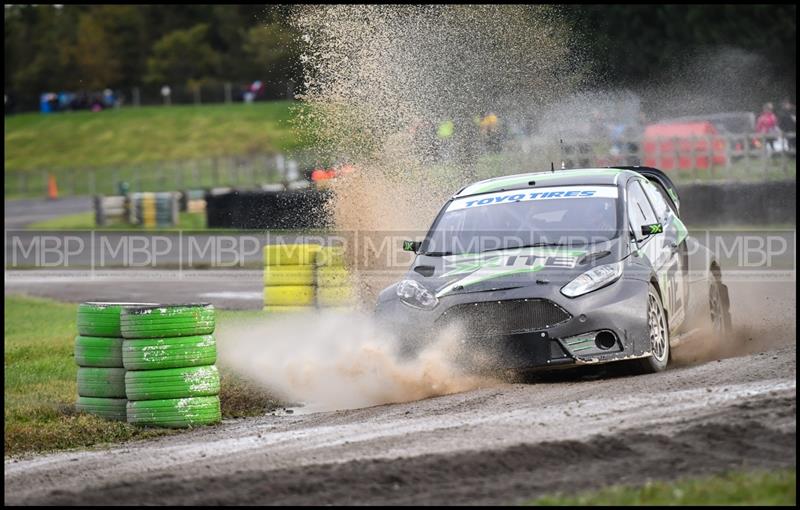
(499,444)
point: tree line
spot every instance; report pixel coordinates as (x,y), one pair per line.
(92,47)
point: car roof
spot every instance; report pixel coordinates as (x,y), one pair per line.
(579,176)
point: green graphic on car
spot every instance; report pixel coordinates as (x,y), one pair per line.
(510,262)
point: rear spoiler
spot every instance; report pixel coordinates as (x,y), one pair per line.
(654,174)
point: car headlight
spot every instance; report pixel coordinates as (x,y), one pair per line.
(593,279)
(413,293)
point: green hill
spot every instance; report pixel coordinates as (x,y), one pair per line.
(132,136)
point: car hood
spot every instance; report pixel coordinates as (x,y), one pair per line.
(510,268)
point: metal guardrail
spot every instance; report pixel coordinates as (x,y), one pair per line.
(718,154)
(725,156)
(250,171)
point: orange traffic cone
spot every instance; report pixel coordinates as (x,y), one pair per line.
(52,188)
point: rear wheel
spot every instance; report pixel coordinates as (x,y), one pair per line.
(658,330)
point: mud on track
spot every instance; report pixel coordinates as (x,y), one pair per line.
(494,445)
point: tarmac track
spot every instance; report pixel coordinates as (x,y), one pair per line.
(20,213)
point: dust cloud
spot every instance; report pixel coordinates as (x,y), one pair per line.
(381,79)
(335,360)
(399,93)
(379,82)
(763,317)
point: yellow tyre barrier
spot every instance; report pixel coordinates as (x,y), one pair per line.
(289,295)
(333,276)
(289,275)
(335,296)
(290,254)
(330,256)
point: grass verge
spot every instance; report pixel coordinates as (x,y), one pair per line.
(40,384)
(147,134)
(86,221)
(733,488)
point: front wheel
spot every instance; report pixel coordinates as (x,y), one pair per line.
(658,329)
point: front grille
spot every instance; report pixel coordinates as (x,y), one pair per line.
(496,318)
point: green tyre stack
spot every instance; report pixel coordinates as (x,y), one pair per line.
(98,354)
(169,352)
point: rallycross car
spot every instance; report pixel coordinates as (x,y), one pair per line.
(560,268)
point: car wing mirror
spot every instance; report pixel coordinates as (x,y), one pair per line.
(411,246)
(653,228)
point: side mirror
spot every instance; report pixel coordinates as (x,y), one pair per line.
(655,228)
(411,246)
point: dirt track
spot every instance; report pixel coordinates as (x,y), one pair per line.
(493,445)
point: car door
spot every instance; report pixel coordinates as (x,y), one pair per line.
(661,249)
(675,237)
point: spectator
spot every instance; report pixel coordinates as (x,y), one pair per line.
(257,88)
(767,125)
(490,132)
(97,103)
(787,122)
(108,98)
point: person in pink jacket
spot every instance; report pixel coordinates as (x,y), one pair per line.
(767,124)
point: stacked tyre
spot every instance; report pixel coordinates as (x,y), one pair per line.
(169,353)
(289,277)
(335,287)
(149,214)
(98,353)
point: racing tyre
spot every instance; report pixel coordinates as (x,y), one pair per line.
(288,275)
(174,352)
(102,319)
(334,276)
(100,352)
(167,321)
(172,383)
(290,254)
(175,413)
(101,382)
(335,296)
(719,307)
(330,256)
(108,408)
(659,335)
(289,295)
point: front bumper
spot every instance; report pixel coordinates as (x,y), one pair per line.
(619,309)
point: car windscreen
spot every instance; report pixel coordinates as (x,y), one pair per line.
(564,215)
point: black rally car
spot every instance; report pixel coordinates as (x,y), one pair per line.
(559,268)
